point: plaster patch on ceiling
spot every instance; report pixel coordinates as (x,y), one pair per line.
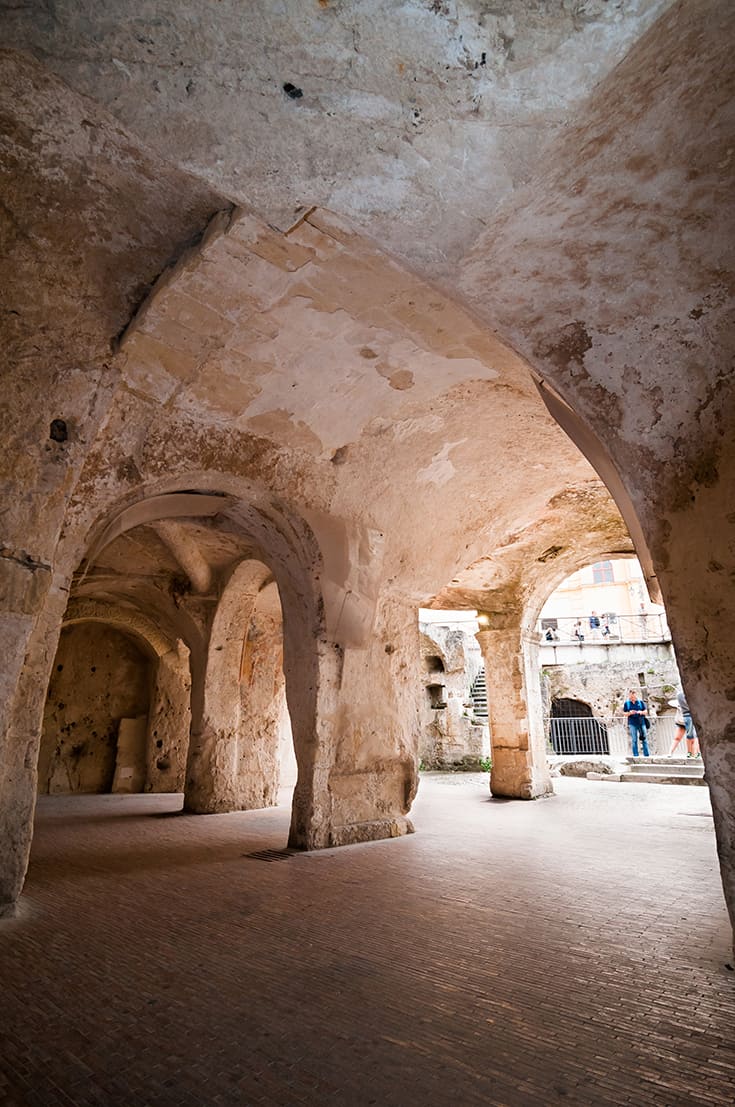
(318,372)
(440,469)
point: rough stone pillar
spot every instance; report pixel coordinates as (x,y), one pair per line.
(520,769)
(355,716)
(210,786)
(30,632)
(375,774)
(169,723)
(312,691)
(233,761)
(261,708)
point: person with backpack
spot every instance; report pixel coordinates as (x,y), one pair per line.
(636,711)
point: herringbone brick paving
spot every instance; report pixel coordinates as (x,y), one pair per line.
(567,951)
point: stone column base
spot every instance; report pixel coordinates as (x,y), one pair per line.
(211,805)
(514,777)
(373,831)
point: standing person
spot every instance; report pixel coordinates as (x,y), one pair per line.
(635,711)
(685,726)
(594,623)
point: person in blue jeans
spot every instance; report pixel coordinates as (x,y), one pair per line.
(684,726)
(635,711)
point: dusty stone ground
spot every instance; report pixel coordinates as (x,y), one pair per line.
(570,950)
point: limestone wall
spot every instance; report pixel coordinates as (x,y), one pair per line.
(99,677)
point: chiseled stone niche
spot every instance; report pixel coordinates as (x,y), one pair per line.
(100,677)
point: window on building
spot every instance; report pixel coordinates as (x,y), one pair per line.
(602,572)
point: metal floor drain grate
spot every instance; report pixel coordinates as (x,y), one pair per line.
(270,854)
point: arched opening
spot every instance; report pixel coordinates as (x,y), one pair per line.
(95,722)
(609,637)
(453,719)
(197,581)
(152,744)
(573,728)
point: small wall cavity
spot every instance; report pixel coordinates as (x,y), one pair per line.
(100,677)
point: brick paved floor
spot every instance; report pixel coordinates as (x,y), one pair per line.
(567,951)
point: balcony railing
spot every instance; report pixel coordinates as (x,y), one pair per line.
(613,629)
(596,735)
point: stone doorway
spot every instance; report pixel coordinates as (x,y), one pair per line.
(573,729)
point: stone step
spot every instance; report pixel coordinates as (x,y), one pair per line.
(478,695)
(694,768)
(660,778)
(662,759)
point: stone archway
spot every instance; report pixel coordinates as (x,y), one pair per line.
(573,730)
(158,738)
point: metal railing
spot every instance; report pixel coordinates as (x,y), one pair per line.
(566,630)
(594,735)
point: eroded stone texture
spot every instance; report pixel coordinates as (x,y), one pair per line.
(374,442)
(374,778)
(235,744)
(401,116)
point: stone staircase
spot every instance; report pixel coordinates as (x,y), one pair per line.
(658,770)
(478,695)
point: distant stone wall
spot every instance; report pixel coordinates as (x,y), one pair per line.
(604,687)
